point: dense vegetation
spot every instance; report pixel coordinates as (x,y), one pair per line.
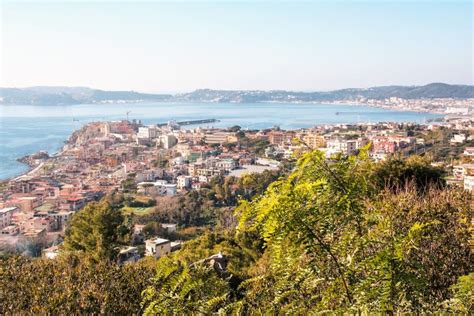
(344,235)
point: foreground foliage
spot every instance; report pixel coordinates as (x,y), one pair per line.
(344,235)
(339,241)
(71,284)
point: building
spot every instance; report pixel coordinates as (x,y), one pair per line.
(225,164)
(149,175)
(170,228)
(220,138)
(458,139)
(160,187)
(383,145)
(168,141)
(183,182)
(149,132)
(28,203)
(280,138)
(6,216)
(61,217)
(461,171)
(346,147)
(157,247)
(128,254)
(11,230)
(469,151)
(204,169)
(469,183)
(51,252)
(457,110)
(34,236)
(314,141)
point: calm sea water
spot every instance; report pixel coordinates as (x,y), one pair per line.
(27,129)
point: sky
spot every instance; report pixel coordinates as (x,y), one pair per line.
(156,46)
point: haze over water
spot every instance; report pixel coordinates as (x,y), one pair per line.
(28,129)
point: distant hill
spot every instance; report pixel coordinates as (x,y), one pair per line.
(433,90)
(78,95)
(72,95)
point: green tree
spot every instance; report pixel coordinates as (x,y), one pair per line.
(396,173)
(462,301)
(72,284)
(97,229)
(179,289)
(338,241)
(315,215)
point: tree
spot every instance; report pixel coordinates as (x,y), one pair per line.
(72,284)
(97,229)
(396,173)
(234,128)
(462,301)
(336,240)
(179,289)
(152,229)
(314,215)
(417,246)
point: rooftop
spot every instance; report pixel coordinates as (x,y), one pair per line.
(7,209)
(158,240)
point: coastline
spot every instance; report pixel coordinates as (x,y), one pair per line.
(31,169)
(358,104)
(60,150)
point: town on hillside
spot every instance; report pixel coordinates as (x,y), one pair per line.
(156,166)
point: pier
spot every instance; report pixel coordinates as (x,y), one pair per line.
(192,122)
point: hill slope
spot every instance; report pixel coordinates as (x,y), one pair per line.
(78,95)
(72,95)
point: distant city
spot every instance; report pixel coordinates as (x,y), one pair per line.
(438,98)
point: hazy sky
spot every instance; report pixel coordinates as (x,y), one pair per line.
(181,46)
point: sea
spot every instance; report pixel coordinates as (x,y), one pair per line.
(26,129)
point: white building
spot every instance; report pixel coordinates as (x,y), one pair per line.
(168,141)
(457,110)
(160,187)
(378,156)
(128,254)
(6,216)
(345,147)
(469,183)
(51,252)
(149,175)
(148,132)
(157,247)
(203,179)
(458,138)
(460,171)
(469,151)
(225,164)
(170,189)
(183,182)
(170,228)
(267,162)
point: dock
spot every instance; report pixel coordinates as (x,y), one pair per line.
(192,122)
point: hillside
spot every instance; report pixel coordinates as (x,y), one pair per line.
(433,90)
(78,95)
(72,95)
